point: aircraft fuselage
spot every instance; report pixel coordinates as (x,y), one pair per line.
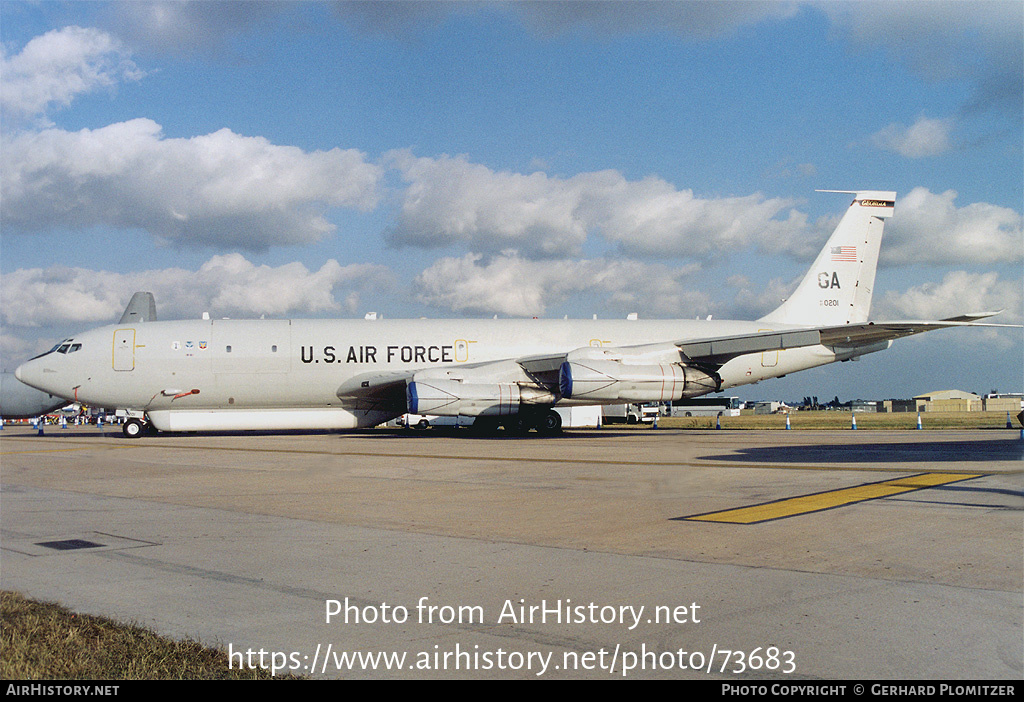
(295,367)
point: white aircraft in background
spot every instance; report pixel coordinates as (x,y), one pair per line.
(343,374)
(19,401)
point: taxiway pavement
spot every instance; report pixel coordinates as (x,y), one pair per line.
(449,555)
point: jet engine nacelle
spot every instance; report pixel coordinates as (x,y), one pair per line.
(612,381)
(450,398)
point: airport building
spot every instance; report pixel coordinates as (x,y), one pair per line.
(948,401)
(898,406)
(864,406)
(1003,402)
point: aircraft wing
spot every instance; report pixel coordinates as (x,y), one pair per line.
(716,351)
(386,390)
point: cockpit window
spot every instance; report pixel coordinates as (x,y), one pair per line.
(74,347)
(56,347)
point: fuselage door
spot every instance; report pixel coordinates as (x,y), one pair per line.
(769,359)
(124,349)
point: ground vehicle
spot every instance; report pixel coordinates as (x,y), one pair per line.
(571,417)
(706,407)
(425,421)
(630,413)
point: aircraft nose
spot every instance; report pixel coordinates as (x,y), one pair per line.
(28,373)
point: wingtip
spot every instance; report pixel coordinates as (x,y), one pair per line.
(971,316)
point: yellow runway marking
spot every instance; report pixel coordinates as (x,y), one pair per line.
(790,507)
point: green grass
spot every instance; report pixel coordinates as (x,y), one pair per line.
(843,420)
(46,641)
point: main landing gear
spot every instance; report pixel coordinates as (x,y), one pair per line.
(545,422)
(134,428)
(550,423)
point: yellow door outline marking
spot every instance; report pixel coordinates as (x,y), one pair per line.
(127,343)
(831,499)
(768,360)
(462,349)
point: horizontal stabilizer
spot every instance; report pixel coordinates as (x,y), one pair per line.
(872,332)
(972,317)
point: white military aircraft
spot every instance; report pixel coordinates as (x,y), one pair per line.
(342,374)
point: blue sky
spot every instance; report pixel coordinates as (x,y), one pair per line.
(521,159)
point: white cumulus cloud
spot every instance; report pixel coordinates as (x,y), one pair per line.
(652,217)
(929,228)
(60,65)
(510,285)
(960,292)
(224,285)
(219,189)
(450,200)
(926,137)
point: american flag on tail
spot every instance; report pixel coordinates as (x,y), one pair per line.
(844,253)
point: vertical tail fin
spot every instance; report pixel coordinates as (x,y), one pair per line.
(141,308)
(837,288)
